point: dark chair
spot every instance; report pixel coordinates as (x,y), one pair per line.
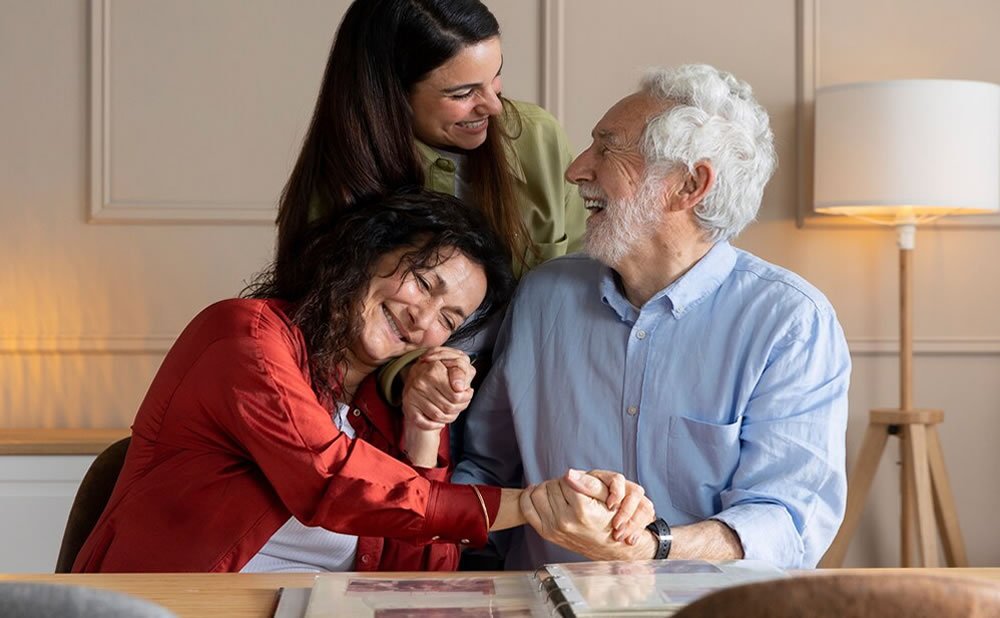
(91,498)
(853,595)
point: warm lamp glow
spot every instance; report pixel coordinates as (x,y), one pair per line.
(908,149)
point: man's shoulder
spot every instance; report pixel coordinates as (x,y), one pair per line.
(778,284)
(547,288)
(564,272)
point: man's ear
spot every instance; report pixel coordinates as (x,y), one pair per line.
(696,186)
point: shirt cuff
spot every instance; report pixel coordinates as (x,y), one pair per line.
(491,497)
(767,533)
(439,474)
(389,386)
(455,513)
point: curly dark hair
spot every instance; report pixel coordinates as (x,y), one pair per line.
(327,284)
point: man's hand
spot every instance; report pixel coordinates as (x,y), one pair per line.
(437,388)
(581,522)
(633,510)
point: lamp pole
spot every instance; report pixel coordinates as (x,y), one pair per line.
(916,503)
(906,233)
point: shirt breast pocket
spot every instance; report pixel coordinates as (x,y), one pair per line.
(701,459)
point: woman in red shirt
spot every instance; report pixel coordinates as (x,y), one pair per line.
(246,426)
(262,443)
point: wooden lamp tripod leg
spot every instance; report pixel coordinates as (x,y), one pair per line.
(919,481)
(944,504)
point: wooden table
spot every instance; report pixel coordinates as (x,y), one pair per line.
(197,595)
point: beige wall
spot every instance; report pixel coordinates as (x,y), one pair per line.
(141,156)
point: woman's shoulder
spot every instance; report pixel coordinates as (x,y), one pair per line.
(244,309)
(532,111)
(236,318)
(536,120)
(538,142)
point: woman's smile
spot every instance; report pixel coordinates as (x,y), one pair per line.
(394,326)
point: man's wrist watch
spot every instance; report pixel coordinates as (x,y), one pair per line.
(664,538)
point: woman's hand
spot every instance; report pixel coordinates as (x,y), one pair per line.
(437,388)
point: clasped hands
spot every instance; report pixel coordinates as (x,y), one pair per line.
(598,514)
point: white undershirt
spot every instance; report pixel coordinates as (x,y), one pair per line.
(296,548)
(463,190)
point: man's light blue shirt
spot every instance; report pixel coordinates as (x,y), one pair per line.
(724,396)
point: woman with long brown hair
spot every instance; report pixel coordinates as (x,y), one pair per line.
(411,95)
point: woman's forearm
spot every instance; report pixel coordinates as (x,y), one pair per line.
(509,514)
(420,446)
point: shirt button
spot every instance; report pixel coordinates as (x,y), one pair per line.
(435,538)
(464,541)
(357,412)
(640,334)
(365,559)
(445,164)
(632,410)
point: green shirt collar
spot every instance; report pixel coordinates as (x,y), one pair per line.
(429,156)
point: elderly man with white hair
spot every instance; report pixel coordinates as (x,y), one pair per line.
(712,378)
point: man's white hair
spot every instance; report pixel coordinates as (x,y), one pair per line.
(713,116)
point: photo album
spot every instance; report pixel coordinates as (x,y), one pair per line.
(582,589)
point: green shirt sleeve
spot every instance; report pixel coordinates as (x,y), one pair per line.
(390,382)
(552,208)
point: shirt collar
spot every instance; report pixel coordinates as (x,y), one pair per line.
(429,156)
(611,295)
(704,278)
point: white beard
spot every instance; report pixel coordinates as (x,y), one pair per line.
(623,222)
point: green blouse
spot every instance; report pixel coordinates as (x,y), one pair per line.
(552,208)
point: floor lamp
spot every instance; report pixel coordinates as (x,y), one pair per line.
(902,153)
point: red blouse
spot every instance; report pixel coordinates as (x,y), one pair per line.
(231,441)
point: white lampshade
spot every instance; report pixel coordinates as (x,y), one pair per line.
(925,147)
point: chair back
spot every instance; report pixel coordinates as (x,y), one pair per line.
(91,498)
(853,595)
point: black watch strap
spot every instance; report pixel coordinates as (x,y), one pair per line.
(661,530)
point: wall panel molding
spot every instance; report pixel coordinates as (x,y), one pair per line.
(553,45)
(808,67)
(930,346)
(160,344)
(87,344)
(103,208)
